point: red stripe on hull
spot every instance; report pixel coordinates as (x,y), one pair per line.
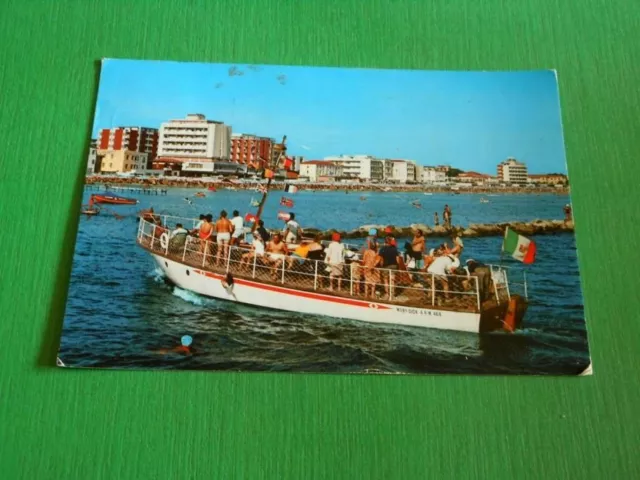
(298,293)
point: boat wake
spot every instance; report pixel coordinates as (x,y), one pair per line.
(189,296)
(158,275)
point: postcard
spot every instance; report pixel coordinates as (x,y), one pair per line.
(328,220)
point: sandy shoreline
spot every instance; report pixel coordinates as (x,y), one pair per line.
(279,185)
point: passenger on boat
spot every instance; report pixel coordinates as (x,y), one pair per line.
(388,259)
(334,257)
(205,231)
(263,232)
(277,251)
(441,267)
(316,250)
(299,255)
(371,274)
(458,246)
(292,230)
(238,228)
(223,235)
(196,228)
(483,272)
(179,231)
(257,251)
(418,245)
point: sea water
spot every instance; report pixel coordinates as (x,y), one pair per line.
(122,313)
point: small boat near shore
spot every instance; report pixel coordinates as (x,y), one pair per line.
(112,199)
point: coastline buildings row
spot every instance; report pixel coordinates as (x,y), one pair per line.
(367,168)
(189,146)
(377,170)
(195,146)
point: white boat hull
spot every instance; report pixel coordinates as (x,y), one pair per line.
(281,298)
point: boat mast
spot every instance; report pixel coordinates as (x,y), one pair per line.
(280,149)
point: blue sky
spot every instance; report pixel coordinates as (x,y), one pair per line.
(470,120)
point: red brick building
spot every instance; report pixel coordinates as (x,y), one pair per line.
(135,139)
(247,149)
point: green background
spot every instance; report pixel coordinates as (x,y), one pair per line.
(67,424)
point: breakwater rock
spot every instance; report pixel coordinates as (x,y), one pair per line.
(536,227)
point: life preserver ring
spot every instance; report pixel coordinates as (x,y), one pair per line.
(164,240)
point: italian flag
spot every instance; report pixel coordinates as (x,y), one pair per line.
(519,247)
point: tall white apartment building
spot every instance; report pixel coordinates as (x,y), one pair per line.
(364,167)
(193,138)
(512,171)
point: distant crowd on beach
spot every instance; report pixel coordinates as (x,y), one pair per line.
(183,182)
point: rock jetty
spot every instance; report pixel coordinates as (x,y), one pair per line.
(536,227)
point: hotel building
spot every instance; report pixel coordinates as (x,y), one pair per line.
(251,149)
(364,167)
(512,171)
(321,170)
(134,139)
(192,139)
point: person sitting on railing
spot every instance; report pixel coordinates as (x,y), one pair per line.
(441,267)
(334,257)
(257,251)
(277,251)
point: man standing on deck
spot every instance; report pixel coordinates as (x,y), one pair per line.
(264,234)
(196,229)
(417,249)
(223,235)
(238,228)
(334,257)
(388,260)
(291,230)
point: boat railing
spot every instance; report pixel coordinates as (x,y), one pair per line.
(347,279)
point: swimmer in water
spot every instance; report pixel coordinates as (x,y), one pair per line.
(184,347)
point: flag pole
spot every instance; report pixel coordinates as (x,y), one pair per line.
(504,238)
(281,149)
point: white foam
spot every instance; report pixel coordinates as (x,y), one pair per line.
(189,296)
(157,274)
